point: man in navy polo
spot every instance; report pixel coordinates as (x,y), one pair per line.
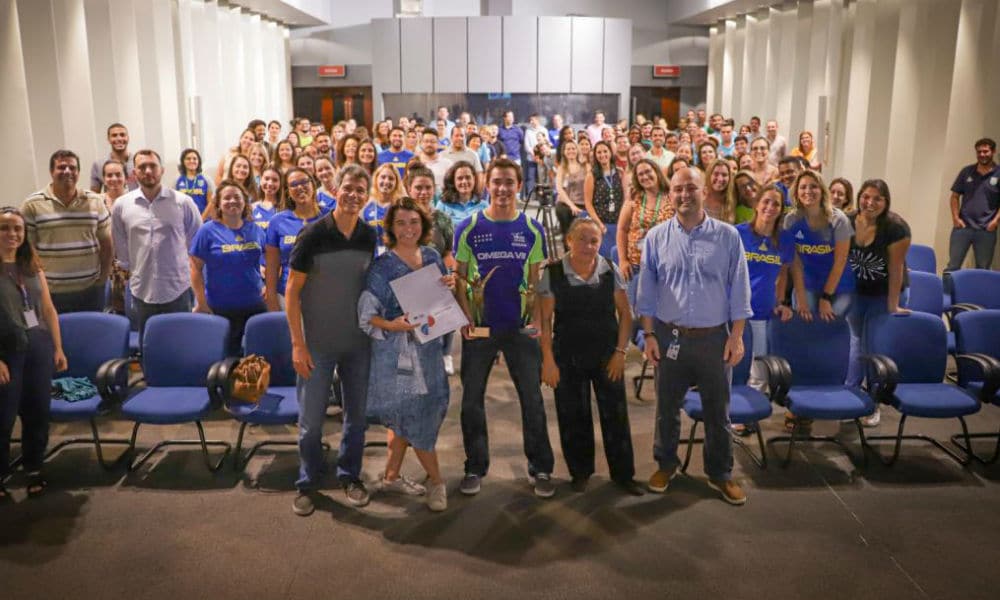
(975,209)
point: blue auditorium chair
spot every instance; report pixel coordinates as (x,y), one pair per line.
(178,350)
(747,406)
(927,296)
(921,258)
(906,370)
(977,343)
(96,347)
(806,368)
(974,289)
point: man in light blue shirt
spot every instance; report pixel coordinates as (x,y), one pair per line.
(694,299)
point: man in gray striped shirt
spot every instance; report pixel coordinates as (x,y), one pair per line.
(71,230)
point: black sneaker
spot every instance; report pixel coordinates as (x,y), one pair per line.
(544,488)
(356,493)
(579,484)
(630,486)
(470,484)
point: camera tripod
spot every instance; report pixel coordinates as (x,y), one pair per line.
(545,214)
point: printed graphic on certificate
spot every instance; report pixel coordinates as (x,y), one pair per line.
(428,303)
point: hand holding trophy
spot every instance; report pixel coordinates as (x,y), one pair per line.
(528,299)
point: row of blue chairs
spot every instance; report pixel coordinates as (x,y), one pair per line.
(186,378)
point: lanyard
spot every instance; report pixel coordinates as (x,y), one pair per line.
(642,218)
(21,288)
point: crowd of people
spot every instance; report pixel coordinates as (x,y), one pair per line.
(717,228)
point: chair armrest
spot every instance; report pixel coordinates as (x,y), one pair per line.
(779,377)
(882,376)
(985,364)
(217,381)
(112,382)
(962,307)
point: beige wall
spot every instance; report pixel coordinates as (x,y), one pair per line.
(907,84)
(72,67)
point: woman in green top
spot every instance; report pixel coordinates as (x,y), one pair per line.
(746,188)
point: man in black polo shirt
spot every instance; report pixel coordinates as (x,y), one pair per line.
(329,264)
(975,209)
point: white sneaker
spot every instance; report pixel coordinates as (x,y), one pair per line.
(873,419)
(437,497)
(449,365)
(402,485)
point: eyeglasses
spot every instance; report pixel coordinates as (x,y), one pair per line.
(297,184)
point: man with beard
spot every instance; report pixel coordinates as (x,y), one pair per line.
(118,140)
(975,209)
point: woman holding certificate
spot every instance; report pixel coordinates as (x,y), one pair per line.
(408,387)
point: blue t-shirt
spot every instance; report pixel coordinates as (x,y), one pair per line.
(262,216)
(980,196)
(197,188)
(396,159)
(326,201)
(461,212)
(373,214)
(764,262)
(232,264)
(815,250)
(281,234)
(512,247)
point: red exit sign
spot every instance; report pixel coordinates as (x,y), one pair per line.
(666,71)
(331,71)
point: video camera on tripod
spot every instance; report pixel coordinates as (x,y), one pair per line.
(542,194)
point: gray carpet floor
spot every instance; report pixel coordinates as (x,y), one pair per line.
(823,528)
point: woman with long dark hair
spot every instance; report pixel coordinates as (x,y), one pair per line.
(603,192)
(30,352)
(570,178)
(191,180)
(461,197)
(878,261)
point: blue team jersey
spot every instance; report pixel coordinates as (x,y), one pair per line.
(764,262)
(460,212)
(512,247)
(816,248)
(396,159)
(197,188)
(232,263)
(262,216)
(281,234)
(374,215)
(326,201)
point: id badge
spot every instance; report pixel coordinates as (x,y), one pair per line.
(30,318)
(675,346)
(611,206)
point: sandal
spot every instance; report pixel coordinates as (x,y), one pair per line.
(36,484)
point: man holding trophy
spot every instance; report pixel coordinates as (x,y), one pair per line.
(500,253)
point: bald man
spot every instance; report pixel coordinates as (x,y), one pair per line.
(694,299)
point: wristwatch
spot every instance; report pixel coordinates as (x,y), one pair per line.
(827,297)
(646,334)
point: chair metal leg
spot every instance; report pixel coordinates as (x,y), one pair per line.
(966,447)
(201,441)
(899,437)
(690,446)
(14,464)
(638,379)
(796,437)
(98,447)
(240,460)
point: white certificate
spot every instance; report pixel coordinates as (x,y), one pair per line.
(428,303)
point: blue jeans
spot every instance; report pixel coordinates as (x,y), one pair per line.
(758,378)
(699,362)
(90,299)
(524,361)
(841,303)
(864,310)
(983,242)
(144,310)
(313,394)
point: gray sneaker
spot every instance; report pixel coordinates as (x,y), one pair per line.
(356,493)
(437,497)
(303,504)
(401,485)
(544,488)
(470,484)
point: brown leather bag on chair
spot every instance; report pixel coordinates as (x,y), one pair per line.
(250,379)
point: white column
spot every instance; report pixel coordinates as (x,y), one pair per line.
(881,87)
(102,69)
(771,63)
(836,35)
(937,54)
(843,76)
(728,67)
(784,75)
(969,102)
(125,51)
(713,93)
(754,64)
(169,86)
(205,33)
(39,50)
(802,32)
(856,121)
(146,90)
(816,76)
(75,94)
(15,115)
(739,35)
